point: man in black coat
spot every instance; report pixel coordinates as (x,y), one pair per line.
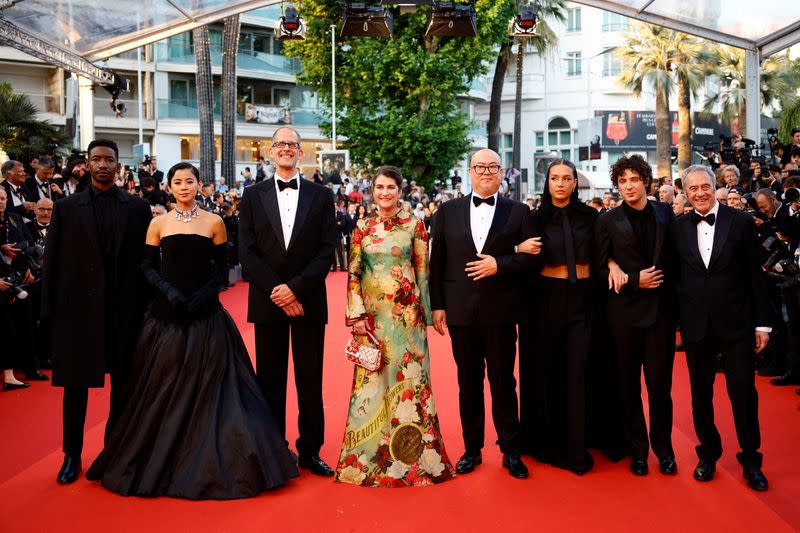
(287,237)
(642,317)
(94,294)
(475,293)
(42,185)
(723,309)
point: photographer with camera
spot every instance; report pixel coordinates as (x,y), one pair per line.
(38,230)
(42,185)
(787,150)
(17,254)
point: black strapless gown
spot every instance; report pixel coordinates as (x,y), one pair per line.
(197,425)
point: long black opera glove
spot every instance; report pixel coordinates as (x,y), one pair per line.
(218,283)
(151,266)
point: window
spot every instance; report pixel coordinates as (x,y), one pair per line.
(612,65)
(507,149)
(574,64)
(560,136)
(615,22)
(574,19)
(539,139)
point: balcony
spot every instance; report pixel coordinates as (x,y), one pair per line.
(183,54)
(187,110)
(102,108)
(47,103)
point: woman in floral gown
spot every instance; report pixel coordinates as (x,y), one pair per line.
(392,436)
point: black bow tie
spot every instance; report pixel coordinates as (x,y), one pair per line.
(710,218)
(477,200)
(292,184)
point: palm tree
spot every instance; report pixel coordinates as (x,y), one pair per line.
(205,103)
(230,46)
(544,39)
(648,57)
(22,135)
(778,80)
(690,66)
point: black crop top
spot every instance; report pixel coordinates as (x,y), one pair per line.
(550,227)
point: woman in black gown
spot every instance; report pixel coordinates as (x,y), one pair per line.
(554,345)
(197,425)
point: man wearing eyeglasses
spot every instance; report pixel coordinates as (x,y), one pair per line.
(287,235)
(475,285)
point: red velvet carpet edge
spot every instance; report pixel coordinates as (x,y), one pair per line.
(608,498)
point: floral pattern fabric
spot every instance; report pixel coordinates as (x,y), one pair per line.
(392,436)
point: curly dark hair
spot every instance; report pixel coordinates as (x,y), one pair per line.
(637,164)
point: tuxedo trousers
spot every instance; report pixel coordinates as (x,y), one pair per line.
(272,370)
(738,363)
(480,351)
(652,349)
(74,412)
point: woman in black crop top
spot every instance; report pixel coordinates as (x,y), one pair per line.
(555,343)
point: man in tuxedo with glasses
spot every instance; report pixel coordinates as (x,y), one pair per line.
(475,283)
(723,309)
(287,236)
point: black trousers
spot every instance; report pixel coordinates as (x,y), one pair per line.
(74,412)
(340,259)
(739,368)
(479,351)
(651,348)
(17,332)
(272,368)
(554,350)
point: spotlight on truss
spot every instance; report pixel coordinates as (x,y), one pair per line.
(362,20)
(448,19)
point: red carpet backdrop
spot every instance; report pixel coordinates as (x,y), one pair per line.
(609,498)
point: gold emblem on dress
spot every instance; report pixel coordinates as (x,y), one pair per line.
(406,443)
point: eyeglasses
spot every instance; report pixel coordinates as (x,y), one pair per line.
(482,169)
(280,145)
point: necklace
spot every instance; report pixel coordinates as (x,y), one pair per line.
(188,215)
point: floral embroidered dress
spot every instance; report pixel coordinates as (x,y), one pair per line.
(392,436)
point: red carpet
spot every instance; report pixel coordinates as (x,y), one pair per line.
(608,498)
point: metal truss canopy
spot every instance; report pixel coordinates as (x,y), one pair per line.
(98,30)
(771,27)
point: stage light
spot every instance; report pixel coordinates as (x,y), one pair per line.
(290,26)
(362,20)
(524,23)
(448,19)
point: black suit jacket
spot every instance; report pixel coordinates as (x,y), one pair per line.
(31,189)
(615,239)
(729,298)
(20,209)
(302,265)
(74,289)
(492,301)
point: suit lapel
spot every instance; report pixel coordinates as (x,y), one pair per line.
(304,201)
(270,200)
(723,226)
(661,229)
(625,230)
(466,224)
(690,230)
(501,213)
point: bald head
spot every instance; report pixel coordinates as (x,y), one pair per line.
(485,172)
(44,211)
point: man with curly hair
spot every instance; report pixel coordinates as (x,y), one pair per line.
(634,251)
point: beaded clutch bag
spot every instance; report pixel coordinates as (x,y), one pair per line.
(364,355)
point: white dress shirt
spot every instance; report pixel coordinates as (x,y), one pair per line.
(16,192)
(287,206)
(43,188)
(705,235)
(480,220)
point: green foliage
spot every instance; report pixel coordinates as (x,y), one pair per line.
(22,135)
(397,100)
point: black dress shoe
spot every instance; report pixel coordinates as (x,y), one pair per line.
(316,465)
(36,376)
(786,379)
(667,466)
(468,462)
(756,479)
(69,470)
(513,462)
(15,386)
(639,467)
(705,471)
(769,371)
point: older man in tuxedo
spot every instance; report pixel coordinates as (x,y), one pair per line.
(475,283)
(723,309)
